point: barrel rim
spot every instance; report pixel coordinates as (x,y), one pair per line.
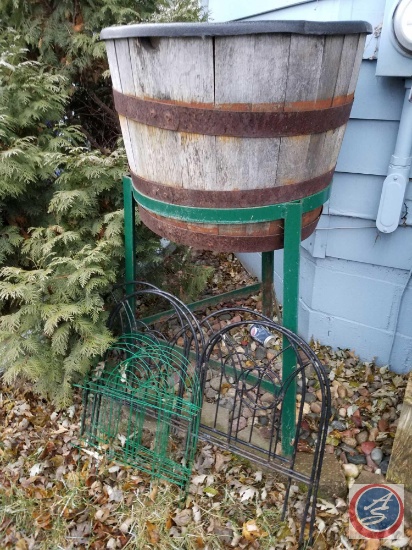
(237,28)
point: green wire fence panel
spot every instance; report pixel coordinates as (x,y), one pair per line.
(142,403)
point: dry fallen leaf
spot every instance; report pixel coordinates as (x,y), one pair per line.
(372,544)
(125,526)
(251,531)
(153,493)
(21,544)
(152,532)
(183,517)
(169,523)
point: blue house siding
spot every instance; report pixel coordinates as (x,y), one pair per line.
(352,276)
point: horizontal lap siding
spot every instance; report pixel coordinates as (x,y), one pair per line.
(361,169)
(352,276)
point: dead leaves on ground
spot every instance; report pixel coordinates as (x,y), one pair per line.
(54,495)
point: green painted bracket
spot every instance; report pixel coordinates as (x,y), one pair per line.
(256,214)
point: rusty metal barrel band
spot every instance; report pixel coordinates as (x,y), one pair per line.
(220,122)
(245,243)
(227,199)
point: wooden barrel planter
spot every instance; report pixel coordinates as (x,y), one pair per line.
(232,116)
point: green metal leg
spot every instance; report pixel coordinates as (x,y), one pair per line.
(129,235)
(291,260)
(267,283)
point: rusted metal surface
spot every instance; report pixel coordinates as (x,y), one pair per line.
(227,199)
(218,122)
(192,235)
(318,104)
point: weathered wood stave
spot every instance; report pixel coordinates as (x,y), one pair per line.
(230,74)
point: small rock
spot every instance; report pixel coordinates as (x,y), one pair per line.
(357,420)
(306,409)
(225,317)
(373,434)
(386,446)
(362,436)
(334,412)
(347,449)
(266,432)
(392,414)
(356,459)
(227,403)
(342,412)
(260,353)
(342,392)
(350,441)
(319,395)
(364,392)
(215,383)
(367,447)
(247,413)
(270,355)
(235,413)
(263,420)
(211,394)
(316,407)
(377,455)
(268,398)
(338,425)
(350,470)
(383,425)
(310,397)
(371,463)
(384,465)
(343,458)
(239,425)
(349,392)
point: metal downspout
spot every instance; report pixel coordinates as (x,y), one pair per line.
(394,186)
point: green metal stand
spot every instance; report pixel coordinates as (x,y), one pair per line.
(129,233)
(291,213)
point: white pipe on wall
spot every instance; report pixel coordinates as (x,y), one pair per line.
(394,186)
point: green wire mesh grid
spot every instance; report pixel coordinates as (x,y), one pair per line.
(142,407)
